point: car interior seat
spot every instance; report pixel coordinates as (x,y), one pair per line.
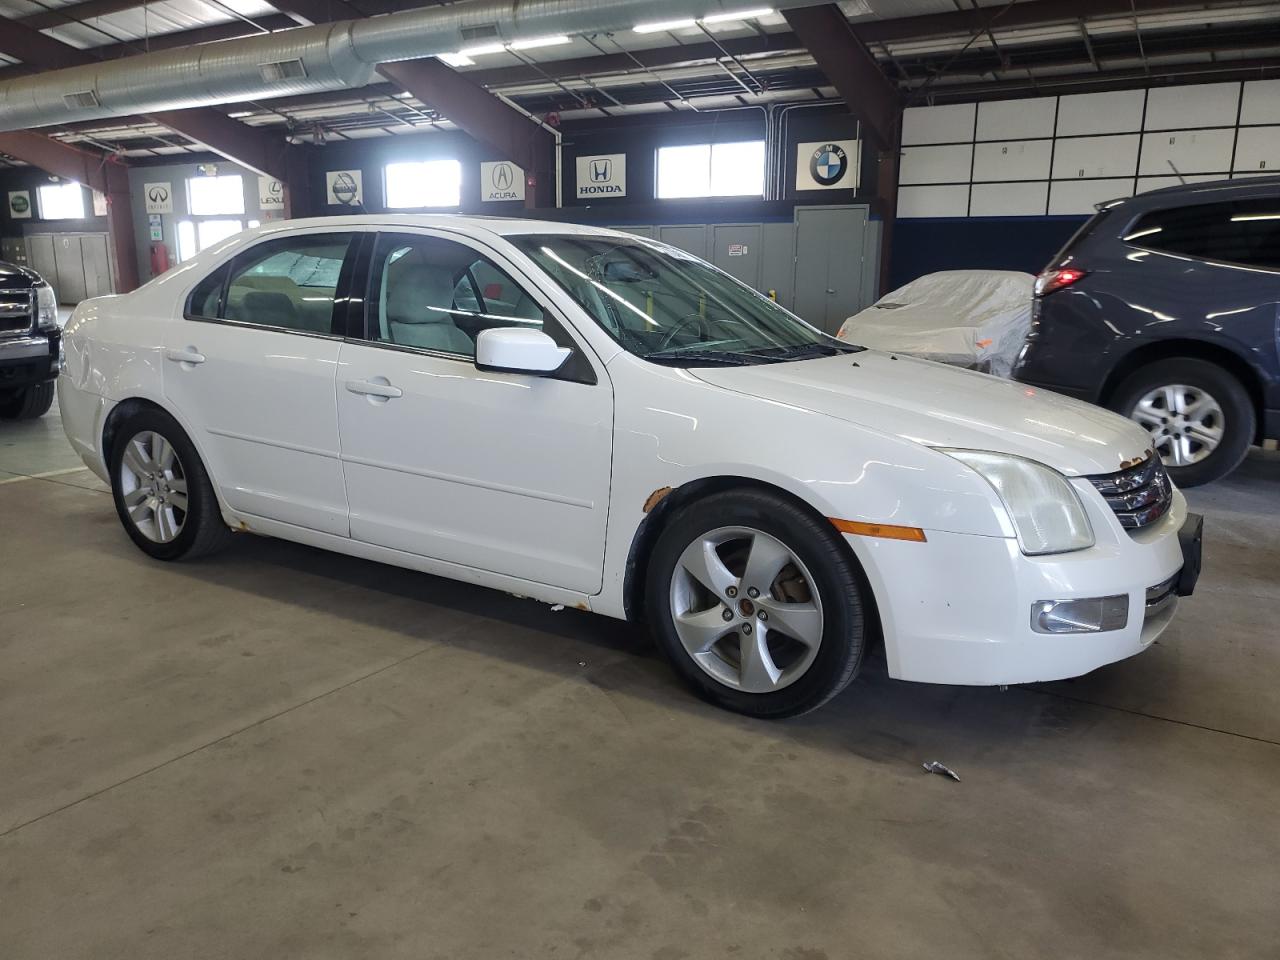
(419,298)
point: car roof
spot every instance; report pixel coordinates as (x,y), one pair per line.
(1244,188)
(473,224)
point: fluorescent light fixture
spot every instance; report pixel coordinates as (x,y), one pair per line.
(537,42)
(744,15)
(481,50)
(456,60)
(664,26)
(1243,217)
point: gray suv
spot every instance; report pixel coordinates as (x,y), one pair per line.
(1165,307)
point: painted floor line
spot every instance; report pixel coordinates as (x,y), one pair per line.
(44,476)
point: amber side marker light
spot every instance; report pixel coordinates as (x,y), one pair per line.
(885,531)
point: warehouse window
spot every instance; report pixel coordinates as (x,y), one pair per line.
(215,196)
(428,183)
(711,170)
(194,236)
(61,201)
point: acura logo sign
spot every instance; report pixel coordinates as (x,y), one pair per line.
(502,177)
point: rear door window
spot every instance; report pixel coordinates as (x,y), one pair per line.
(1244,232)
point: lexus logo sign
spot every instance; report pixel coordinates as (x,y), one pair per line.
(501,180)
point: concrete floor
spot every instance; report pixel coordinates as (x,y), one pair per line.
(284,753)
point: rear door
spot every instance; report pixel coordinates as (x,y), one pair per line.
(252,369)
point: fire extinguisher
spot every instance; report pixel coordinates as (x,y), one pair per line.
(159,259)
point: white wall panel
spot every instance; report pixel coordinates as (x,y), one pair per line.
(1190,151)
(1012,160)
(1146,184)
(1258,149)
(952,123)
(949,164)
(1261,102)
(1008,199)
(1087,113)
(1195,105)
(1016,119)
(948,201)
(1081,196)
(1113,156)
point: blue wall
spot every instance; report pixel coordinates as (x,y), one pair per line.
(924,245)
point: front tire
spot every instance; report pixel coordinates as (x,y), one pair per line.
(161,490)
(1200,417)
(757,604)
(29,402)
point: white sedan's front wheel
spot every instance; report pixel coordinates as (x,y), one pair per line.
(756,603)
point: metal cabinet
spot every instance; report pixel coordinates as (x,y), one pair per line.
(77,264)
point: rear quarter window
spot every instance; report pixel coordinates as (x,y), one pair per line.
(1243,232)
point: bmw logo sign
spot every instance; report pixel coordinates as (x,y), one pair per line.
(828,164)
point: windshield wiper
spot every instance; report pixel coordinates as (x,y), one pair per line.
(811,350)
(727,358)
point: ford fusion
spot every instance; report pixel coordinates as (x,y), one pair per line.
(597,420)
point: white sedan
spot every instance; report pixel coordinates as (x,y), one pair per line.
(597,420)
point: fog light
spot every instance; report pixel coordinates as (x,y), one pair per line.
(1089,615)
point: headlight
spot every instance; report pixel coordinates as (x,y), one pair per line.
(46,308)
(1047,515)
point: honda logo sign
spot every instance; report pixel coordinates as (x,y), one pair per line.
(602,176)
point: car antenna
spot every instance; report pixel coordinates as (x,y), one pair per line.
(1178,173)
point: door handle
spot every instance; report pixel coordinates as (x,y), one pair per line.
(372,388)
(189,355)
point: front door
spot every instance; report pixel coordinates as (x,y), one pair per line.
(252,368)
(507,473)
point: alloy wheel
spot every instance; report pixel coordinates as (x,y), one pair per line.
(746,609)
(153,485)
(1186,423)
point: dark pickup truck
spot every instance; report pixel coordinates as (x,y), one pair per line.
(30,343)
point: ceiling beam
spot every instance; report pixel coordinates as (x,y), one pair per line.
(75,12)
(99,172)
(1028,13)
(257,150)
(852,70)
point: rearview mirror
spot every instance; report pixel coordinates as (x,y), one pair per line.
(518,350)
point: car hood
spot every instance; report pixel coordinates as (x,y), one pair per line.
(941,406)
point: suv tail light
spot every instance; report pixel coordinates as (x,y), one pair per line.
(1057,279)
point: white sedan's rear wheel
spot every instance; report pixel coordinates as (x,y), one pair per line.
(756,603)
(162,493)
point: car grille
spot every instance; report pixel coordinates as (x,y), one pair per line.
(1140,495)
(15,312)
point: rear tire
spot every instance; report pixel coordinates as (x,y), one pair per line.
(1200,417)
(29,402)
(766,642)
(162,492)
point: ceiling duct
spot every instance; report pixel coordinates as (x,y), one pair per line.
(325,57)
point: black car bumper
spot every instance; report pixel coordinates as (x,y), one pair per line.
(28,360)
(1189,538)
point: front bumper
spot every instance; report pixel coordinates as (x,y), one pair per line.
(27,360)
(956,609)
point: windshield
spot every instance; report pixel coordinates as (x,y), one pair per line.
(670,307)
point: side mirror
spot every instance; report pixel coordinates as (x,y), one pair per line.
(517,350)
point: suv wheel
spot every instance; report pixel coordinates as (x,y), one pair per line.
(1199,416)
(29,402)
(756,604)
(161,491)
